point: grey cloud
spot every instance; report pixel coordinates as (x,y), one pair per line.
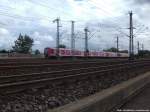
(80,0)
(47,30)
(142,1)
(136,3)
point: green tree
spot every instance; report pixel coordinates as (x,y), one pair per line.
(144,53)
(4,51)
(62,46)
(113,49)
(23,44)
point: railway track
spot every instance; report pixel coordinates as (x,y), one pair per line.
(23,69)
(62,72)
(16,83)
(47,61)
(49,90)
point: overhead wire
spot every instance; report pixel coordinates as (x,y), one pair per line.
(49,7)
(106,11)
(67,14)
(26,18)
(118,28)
(23,18)
(101,9)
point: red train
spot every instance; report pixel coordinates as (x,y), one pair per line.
(51,52)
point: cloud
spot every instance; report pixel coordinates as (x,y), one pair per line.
(4,31)
(79,0)
(6,39)
(142,2)
(42,40)
(34,18)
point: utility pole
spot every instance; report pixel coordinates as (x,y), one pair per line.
(86,41)
(131,46)
(143,50)
(138,47)
(117,44)
(142,47)
(72,38)
(57,40)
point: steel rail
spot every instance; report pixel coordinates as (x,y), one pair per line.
(33,62)
(4,79)
(36,83)
(12,70)
(57,64)
(62,64)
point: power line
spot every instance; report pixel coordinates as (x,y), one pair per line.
(25,18)
(44,5)
(108,16)
(101,9)
(39,18)
(29,18)
(19,17)
(10,13)
(43,17)
(98,7)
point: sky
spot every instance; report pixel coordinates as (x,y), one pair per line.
(105,19)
